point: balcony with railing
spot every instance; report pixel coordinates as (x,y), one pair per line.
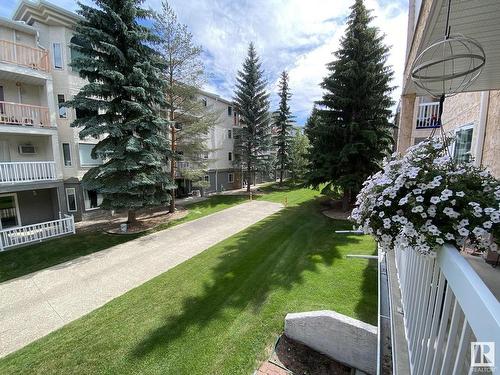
(26,56)
(27,172)
(24,115)
(450,317)
(427,115)
(23,235)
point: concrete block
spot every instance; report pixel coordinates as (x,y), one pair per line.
(340,337)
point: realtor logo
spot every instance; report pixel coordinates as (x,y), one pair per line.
(482,354)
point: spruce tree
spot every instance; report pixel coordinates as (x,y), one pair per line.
(191,120)
(119,105)
(251,101)
(353,133)
(283,124)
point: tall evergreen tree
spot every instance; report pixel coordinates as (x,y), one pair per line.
(119,105)
(191,120)
(251,101)
(353,134)
(283,125)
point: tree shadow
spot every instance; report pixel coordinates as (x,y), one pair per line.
(273,254)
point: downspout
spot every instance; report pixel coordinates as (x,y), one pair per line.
(216,184)
(481,129)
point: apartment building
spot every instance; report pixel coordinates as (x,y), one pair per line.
(221,174)
(472,116)
(42,158)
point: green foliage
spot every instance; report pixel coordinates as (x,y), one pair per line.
(251,101)
(299,149)
(350,131)
(184,76)
(283,124)
(119,105)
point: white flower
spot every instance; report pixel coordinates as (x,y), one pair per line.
(417,209)
(463,222)
(439,241)
(447,192)
(424,215)
(460,194)
(419,198)
(435,200)
(381,213)
(417,191)
(478,231)
(403,201)
(450,212)
(463,232)
(387,203)
(487,224)
(449,236)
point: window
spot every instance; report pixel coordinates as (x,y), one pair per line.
(229,156)
(58,60)
(205,155)
(230,177)
(206,178)
(204,101)
(92,199)
(9,211)
(229,134)
(66,154)
(63,111)
(86,158)
(71,199)
(463,144)
(229,110)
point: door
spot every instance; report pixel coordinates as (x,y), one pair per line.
(9,213)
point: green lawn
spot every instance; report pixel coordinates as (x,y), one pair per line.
(19,262)
(219,312)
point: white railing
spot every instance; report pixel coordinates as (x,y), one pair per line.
(34,58)
(446,308)
(24,115)
(27,171)
(427,116)
(36,232)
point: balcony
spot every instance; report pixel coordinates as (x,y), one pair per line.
(24,115)
(447,312)
(427,116)
(26,234)
(26,172)
(34,58)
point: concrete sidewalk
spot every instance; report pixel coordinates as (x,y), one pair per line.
(37,304)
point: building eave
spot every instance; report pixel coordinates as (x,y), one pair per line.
(44,12)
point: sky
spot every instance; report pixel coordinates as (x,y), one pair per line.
(294,35)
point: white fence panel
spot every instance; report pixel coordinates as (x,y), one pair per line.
(36,232)
(446,307)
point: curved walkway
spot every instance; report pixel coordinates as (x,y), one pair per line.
(37,304)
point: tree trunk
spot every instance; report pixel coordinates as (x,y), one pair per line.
(131,218)
(172,165)
(346,200)
(249,178)
(281,173)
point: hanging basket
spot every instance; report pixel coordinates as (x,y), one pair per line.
(448,66)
